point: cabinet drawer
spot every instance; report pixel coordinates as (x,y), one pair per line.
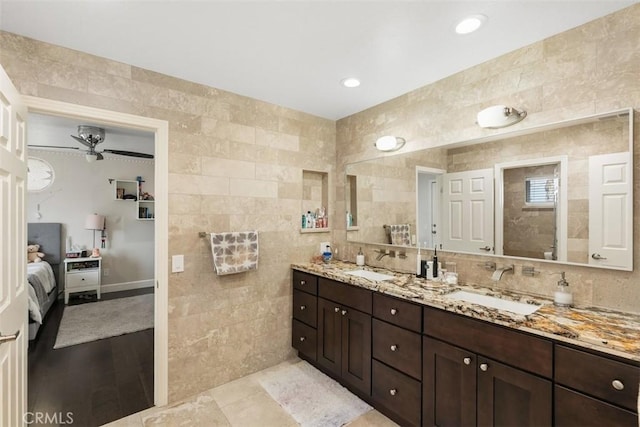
(351,296)
(576,409)
(397,392)
(500,343)
(305,282)
(305,307)
(597,376)
(398,348)
(303,339)
(84,278)
(398,312)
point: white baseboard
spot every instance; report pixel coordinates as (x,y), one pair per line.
(126,286)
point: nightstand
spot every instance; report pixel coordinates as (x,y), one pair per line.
(82,274)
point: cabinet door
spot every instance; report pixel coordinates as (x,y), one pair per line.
(329,335)
(356,349)
(578,410)
(449,385)
(511,397)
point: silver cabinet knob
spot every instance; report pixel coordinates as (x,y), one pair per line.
(394,311)
(617,384)
(302,307)
(393,392)
(484,367)
(344,312)
(302,339)
(467,360)
(394,347)
(337,309)
(302,282)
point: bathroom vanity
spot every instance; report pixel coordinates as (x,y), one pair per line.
(424,359)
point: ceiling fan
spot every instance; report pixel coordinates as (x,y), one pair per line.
(90,137)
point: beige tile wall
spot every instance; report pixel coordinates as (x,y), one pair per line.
(592,68)
(234,163)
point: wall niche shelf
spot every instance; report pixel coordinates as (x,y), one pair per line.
(130,191)
(315,198)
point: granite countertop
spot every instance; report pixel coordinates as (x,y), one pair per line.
(608,331)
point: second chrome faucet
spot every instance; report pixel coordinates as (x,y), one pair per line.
(497,275)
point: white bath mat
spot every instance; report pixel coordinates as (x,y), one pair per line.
(312,398)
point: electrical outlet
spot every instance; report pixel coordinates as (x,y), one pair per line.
(323,246)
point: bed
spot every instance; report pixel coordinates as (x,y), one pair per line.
(43,277)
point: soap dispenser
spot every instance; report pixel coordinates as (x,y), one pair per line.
(563,297)
(360,258)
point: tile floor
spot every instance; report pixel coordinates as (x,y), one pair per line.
(240,403)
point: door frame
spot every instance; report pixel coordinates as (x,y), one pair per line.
(160,128)
(561,206)
(424,170)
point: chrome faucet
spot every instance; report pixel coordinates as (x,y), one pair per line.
(383,253)
(497,275)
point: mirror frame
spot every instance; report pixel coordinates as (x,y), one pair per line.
(619,113)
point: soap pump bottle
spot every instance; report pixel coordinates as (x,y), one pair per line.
(418,263)
(562,297)
(360,258)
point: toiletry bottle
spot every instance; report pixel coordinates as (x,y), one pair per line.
(304,221)
(435,262)
(418,263)
(360,258)
(562,297)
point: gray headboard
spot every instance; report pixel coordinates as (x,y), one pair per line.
(49,236)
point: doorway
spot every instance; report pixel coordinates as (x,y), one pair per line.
(160,130)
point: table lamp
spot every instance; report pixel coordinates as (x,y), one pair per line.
(94,222)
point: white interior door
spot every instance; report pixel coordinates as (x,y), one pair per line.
(467,220)
(13,243)
(610,222)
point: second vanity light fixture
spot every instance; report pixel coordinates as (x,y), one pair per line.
(499,116)
(389,143)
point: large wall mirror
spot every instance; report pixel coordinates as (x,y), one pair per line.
(560,192)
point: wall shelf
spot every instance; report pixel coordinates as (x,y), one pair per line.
(124,189)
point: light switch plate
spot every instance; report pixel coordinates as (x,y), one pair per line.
(323,246)
(177,263)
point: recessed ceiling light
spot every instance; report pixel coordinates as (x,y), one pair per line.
(350,82)
(470,24)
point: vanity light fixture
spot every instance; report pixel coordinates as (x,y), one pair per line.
(389,143)
(470,24)
(499,116)
(350,82)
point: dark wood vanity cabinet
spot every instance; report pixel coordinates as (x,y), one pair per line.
(397,359)
(305,314)
(344,333)
(593,390)
(464,384)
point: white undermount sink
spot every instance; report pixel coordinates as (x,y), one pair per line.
(493,302)
(369,275)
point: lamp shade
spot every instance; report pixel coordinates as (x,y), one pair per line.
(94,222)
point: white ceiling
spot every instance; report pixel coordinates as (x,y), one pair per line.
(294,53)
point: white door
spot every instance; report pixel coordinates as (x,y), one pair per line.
(610,220)
(13,267)
(467,219)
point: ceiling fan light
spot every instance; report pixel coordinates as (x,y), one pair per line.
(389,143)
(91,157)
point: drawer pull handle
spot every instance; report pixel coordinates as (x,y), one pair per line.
(344,312)
(484,367)
(393,392)
(302,282)
(394,347)
(394,311)
(302,339)
(467,360)
(302,307)
(617,384)
(337,309)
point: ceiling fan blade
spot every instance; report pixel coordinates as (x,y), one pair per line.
(100,156)
(82,141)
(52,146)
(129,153)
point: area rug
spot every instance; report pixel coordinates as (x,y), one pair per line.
(103,319)
(312,398)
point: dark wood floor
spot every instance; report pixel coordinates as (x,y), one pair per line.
(98,382)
